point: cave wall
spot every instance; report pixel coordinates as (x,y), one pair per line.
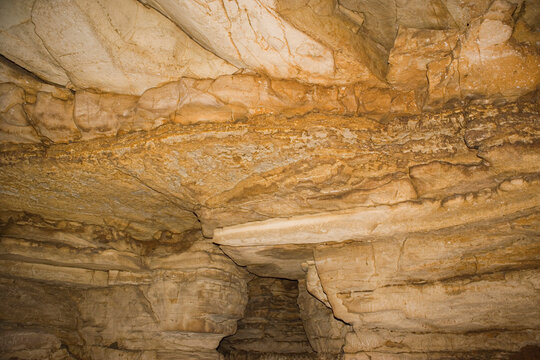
(272,324)
(307,179)
(72,291)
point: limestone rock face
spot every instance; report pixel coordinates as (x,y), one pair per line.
(121,47)
(271,324)
(482,62)
(275,179)
(326,334)
(251,34)
(72,289)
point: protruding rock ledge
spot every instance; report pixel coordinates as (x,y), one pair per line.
(386,220)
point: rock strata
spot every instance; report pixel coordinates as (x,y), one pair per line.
(72,290)
(272,325)
(299,179)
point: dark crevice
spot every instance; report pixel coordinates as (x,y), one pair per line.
(272,326)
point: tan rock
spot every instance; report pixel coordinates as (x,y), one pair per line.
(53,274)
(367,222)
(24,250)
(321,163)
(379,215)
(182,305)
(14,125)
(490,65)
(35,305)
(272,322)
(28,344)
(98,115)
(53,118)
(281,261)
(326,334)
(413,50)
(357,58)
(156,106)
(402,309)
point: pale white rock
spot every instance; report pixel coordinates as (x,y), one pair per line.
(53,274)
(20,43)
(12,73)
(118,46)
(251,35)
(383,220)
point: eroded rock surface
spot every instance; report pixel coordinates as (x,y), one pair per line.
(345,179)
(121,47)
(72,290)
(271,325)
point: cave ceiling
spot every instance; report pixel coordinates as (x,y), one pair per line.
(384,154)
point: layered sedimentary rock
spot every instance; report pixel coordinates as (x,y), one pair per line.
(449,218)
(335,179)
(72,290)
(271,325)
(424,276)
(326,334)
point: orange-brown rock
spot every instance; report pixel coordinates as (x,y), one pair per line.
(243,180)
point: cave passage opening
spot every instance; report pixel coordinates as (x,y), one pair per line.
(272,326)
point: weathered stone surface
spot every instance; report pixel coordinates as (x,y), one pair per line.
(53,117)
(22,45)
(132,306)
(357,58)
(60,116)
(373,165)
(413,50)
(487,64)
(251,35)
(416,289)
(326,334)
(14,125)
(362,164)
(451,65)
(122,47)
(379,221)
(272,322)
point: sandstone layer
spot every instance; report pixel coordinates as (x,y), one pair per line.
(306,179)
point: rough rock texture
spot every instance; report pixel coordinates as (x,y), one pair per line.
(121,47)
(427,275)
(370,168)
(326,334)
(73,290)
(271,323)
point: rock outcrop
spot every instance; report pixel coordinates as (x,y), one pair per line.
(270,179)
(72,290)
(271,325)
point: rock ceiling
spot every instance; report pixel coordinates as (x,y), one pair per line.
(354,179)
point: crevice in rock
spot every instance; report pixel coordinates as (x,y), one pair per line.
(272,326)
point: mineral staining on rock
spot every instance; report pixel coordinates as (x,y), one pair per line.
(269,179)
